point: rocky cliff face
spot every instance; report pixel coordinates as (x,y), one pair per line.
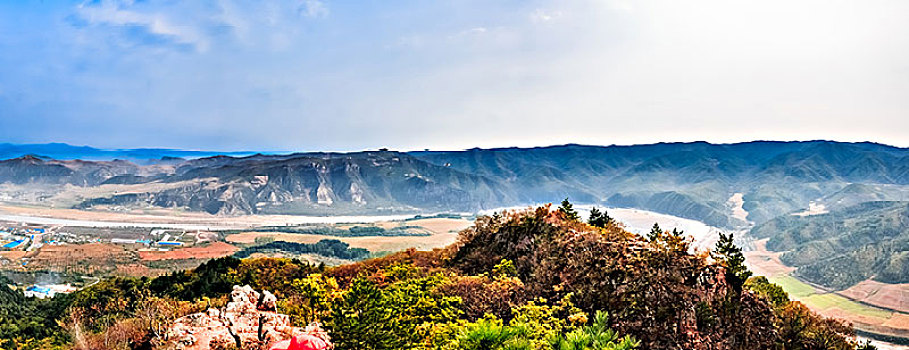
(310,183)
(249,321)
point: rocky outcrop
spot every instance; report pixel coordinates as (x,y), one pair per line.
(249,321)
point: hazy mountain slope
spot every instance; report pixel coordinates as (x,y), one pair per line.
(825,161)
(691,180)
(31,169)
(856,193)
(845,246)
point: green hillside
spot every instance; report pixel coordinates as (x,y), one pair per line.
(845,246)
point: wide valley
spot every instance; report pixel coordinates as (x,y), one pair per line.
(873,308)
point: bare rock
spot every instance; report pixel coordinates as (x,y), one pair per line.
(249,320)
(268,302)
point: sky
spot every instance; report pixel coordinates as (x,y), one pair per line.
(308,75)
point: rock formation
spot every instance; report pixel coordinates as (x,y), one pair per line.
(249,321)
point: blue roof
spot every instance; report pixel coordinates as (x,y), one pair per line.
(39,289)
(14,244)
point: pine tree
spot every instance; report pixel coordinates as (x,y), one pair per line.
(598,218)
(655,232)
(731,257)
(363,319)
(568,210)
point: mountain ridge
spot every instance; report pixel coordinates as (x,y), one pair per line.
(65,151)
(694,180)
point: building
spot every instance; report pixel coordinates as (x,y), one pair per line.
(39,292)
(48,291)
(14,244)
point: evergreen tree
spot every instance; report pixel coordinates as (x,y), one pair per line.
(866,345)
(568,210)
(492,334)
(598,218)
(655,232)
(772,292)
(373,317)
(728,254)
(597,336)
(363,319)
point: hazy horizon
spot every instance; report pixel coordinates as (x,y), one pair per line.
(418,149)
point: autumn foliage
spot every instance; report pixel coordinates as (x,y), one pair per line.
(530,279)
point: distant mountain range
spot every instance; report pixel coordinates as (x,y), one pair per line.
(66,152)
(692,180)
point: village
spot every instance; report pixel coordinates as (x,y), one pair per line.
(46,260)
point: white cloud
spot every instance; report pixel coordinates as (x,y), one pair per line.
(233,18)
(467,34)
(200,24)
(543,16)
(475,31)
(113,13)
(314,8)
(622,5)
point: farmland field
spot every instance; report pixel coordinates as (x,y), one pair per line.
(795,288)
(443,231)
(208,251)
(849,305)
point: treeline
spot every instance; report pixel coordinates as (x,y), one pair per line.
(353,231)
(436,216)
(537,279)
(332,248)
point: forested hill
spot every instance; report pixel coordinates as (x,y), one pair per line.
(692,180)
(844,247)
(538,279)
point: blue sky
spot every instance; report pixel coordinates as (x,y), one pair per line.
(350,75)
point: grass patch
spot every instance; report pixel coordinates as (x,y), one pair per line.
(807,294)
(341,230)
(795,288)
(826,301)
